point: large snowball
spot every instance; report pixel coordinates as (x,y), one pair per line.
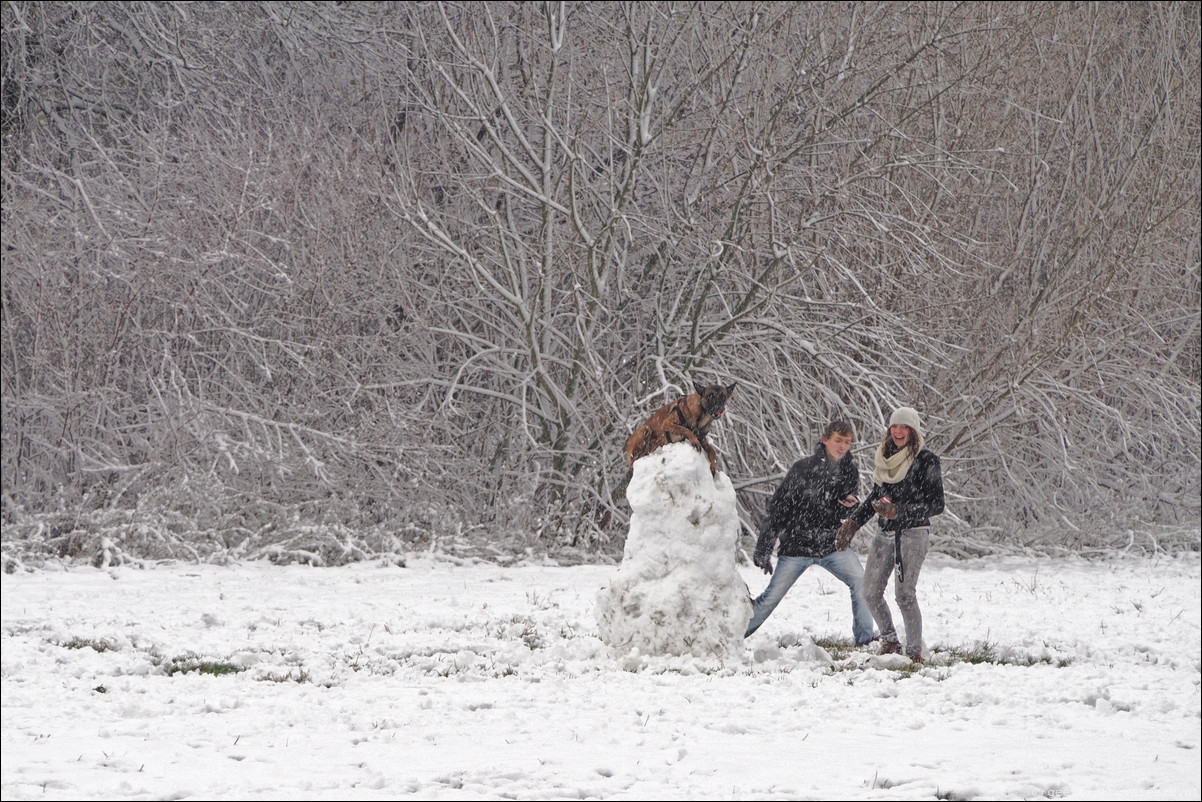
(677,591)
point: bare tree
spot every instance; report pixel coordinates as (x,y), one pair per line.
(324,280)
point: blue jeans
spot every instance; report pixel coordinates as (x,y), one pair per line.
(843,565)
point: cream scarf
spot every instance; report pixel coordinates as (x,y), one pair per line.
(890,470)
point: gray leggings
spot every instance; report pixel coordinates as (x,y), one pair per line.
(914,543)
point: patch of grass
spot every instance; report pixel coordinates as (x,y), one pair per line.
(211,667)
(985,652)
(182,664)
(186,664)
(99,645)
(301,678)
(878,782)
(838,648)
(520,627)
(979,652)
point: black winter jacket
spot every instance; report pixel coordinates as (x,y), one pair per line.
(918,496)
(804,512)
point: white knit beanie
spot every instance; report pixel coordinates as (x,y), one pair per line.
(907,416)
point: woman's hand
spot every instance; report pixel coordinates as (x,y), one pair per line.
(885,508)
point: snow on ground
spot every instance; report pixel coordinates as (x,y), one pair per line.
(442,681)
(459,680)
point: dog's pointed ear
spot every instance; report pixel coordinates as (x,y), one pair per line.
(697,388)
(731,388)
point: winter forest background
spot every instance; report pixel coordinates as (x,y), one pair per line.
(328,281)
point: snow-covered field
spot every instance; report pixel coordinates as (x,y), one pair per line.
(447,679)
(472,681)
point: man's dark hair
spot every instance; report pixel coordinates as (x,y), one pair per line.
(839,426)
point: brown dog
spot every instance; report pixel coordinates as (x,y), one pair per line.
(688,418)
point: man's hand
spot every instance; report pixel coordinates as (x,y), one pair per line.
(885,508)
(846,532)
(763,561)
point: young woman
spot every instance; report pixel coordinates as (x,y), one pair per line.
(907,492)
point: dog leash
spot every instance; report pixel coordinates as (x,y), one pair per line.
(897,549)
(897,558)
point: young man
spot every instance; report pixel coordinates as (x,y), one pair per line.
(805,514)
